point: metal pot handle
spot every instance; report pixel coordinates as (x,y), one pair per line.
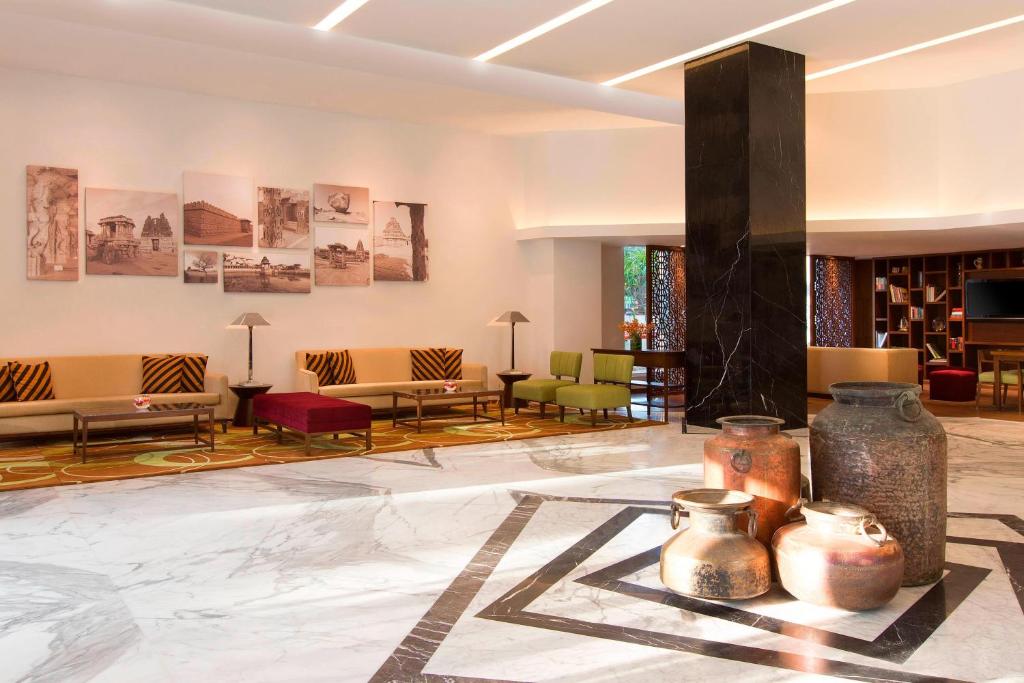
(867,522)
(793,513)
(901,403)
(752,523)
(677,513)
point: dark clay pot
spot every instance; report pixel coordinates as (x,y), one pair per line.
(752,455)
(877,447)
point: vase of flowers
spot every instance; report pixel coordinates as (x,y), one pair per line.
(635,331)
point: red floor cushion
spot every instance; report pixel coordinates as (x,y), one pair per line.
(953,384)
(312,413)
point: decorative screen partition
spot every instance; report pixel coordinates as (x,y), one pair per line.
(666,305)
(831,301)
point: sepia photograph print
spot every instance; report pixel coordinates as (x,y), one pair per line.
(283,218)
(131,233)
(399,242)
(201,267)
(218,210)
(267,273)
(342,257)
(52,196)
(341,204)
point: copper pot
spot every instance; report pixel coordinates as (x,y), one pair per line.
(832,558)
(752,455)
(711,558)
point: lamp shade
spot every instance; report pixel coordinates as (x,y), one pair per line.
(250,320)
(511,317)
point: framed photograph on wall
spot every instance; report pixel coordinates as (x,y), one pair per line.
(342,257)
(283,218)
(341,204)
(128,232)
(267,273)
(400,242)
(52,209)
(218,210)
(201,267)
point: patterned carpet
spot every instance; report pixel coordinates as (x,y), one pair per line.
(38,463)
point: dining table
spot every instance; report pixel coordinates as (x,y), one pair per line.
(664,359)
(1014,358)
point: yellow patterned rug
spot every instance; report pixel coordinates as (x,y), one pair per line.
(35,463)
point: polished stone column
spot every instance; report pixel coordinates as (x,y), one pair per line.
(746,349)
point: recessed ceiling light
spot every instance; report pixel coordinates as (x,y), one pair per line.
(914,48)
(731,40)
(551,25)
(339,14)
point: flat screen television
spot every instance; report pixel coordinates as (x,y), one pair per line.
(995,299)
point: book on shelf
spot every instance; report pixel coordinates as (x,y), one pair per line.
(934,352)
(880,283)
(956,343)
(956,313)
(898,295)
(880,338)
(917,312)
(931,296)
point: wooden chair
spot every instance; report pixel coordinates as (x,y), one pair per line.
(1008,377)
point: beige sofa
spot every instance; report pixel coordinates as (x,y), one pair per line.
(827,365)
(378,373)
(100,381)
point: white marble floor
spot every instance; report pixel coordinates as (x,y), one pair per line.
(520,561)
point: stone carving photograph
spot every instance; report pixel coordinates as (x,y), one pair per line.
(201,267)
(283,218)
(131,233)
(267,273)
(52,208)
(342,256)
(218,209)
(341,204)
(400,242)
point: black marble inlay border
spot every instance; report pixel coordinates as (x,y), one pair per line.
(410,658)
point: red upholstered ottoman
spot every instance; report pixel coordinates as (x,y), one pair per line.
(952,384)
(312,415)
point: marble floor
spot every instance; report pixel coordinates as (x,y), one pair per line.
(521,561)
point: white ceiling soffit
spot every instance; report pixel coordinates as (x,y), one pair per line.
(189,47)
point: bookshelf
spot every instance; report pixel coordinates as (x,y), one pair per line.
(919,302)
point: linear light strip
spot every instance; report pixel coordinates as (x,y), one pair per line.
(914,48)
(731,40)
(339,14)
(547,26)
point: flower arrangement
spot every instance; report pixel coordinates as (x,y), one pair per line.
(635,331)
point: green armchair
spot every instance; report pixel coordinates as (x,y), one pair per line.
(612,376)
(563,365)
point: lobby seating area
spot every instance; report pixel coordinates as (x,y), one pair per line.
(420,341)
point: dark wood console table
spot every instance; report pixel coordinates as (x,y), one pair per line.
(664,359)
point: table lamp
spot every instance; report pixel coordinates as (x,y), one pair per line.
(249,320)
(512,317)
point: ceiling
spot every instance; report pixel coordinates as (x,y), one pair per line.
(628,34)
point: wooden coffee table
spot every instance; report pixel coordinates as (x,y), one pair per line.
(421,396)
(128,412)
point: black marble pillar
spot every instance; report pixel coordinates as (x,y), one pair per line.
(746,348)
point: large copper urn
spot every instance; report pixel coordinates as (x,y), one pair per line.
(878,447)
(836,560)
(711,558)
(752,455)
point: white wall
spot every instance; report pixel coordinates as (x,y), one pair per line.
(123,136)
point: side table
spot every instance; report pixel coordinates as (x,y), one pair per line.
(508,378)
(245,392)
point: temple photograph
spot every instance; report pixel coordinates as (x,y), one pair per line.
(342,256)
(218,210)
(131,233)
(400,242)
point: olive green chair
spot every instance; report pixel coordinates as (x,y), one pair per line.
(612,376)
(1011,374)
(563,366)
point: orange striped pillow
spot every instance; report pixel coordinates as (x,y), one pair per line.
(161,374)
(7,392)
(427,364)
(32,382)
(193,373)
(346,372)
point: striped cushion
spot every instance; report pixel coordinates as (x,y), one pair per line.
(453,363)
(346,371)
(32,382)
(193,373)
(7,392)
(325,365)
(161,374)
(427,364)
